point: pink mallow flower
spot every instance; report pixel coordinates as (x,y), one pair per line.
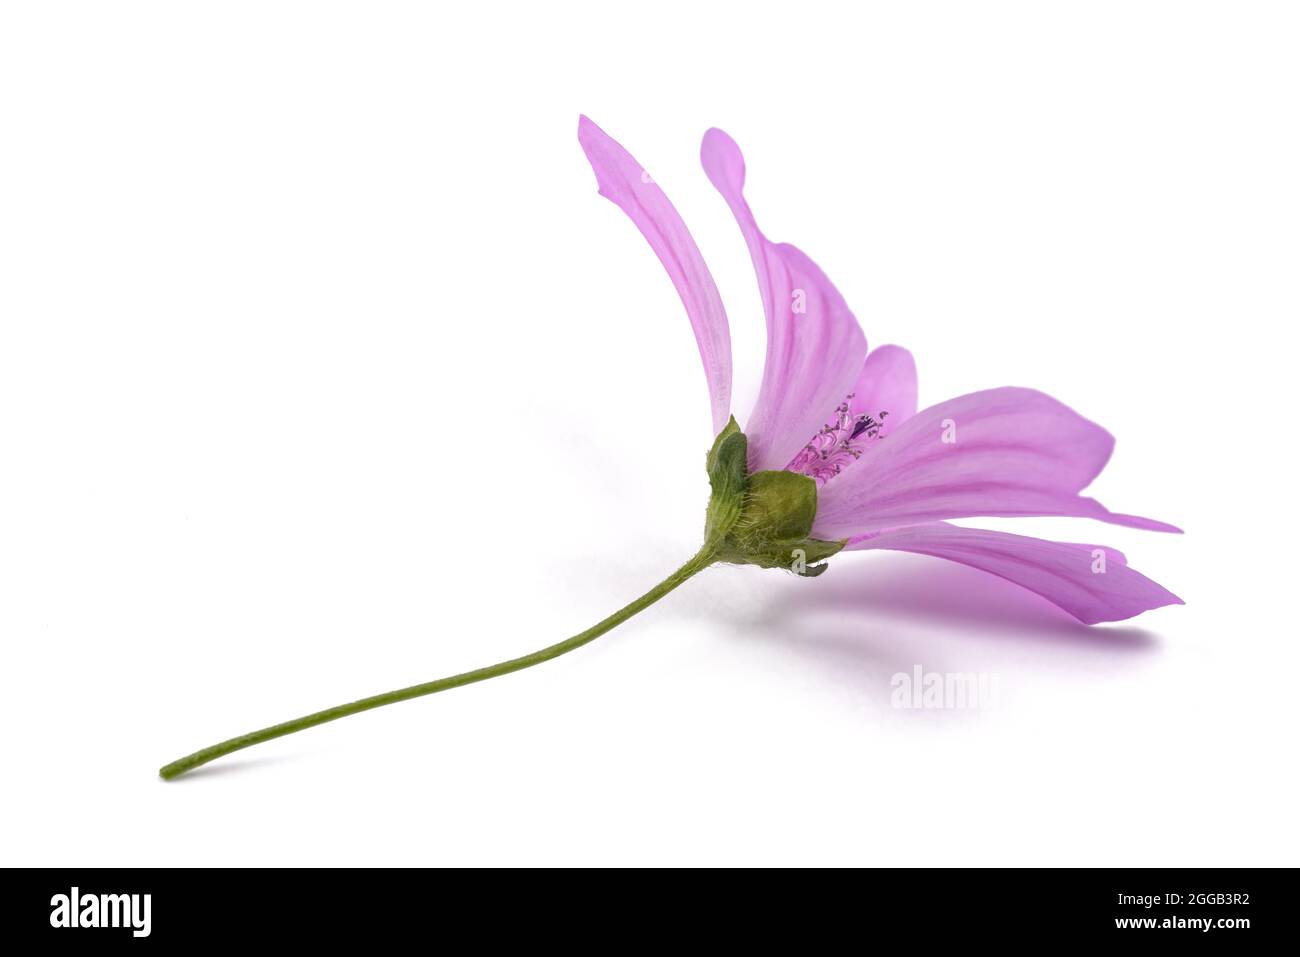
(887,476)
(834,455)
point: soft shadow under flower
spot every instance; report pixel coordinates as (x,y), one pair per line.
(881,616)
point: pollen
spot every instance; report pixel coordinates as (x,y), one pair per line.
(839,444)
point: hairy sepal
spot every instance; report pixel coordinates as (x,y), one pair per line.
(764,518)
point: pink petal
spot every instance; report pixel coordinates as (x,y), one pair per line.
(1014,452)
(887,383)
(1065,574)
(813,355)
(622,180)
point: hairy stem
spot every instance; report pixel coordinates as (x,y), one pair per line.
(191,761)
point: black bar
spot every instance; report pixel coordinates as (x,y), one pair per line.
(338,907)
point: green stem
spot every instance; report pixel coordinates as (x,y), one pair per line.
(696,565)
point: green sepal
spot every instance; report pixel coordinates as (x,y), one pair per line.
(797,555)
(779,506)
(732,428)
(726,464)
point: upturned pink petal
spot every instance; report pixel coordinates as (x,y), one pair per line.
(1004,452)
(1092,583)
(815,347)
(887,383)
(622,180)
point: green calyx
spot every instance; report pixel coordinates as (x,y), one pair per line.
(761,518)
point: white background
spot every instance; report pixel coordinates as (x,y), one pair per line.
(324,370)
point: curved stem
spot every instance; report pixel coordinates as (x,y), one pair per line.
(691,568)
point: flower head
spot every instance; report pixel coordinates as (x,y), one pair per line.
(836,454)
